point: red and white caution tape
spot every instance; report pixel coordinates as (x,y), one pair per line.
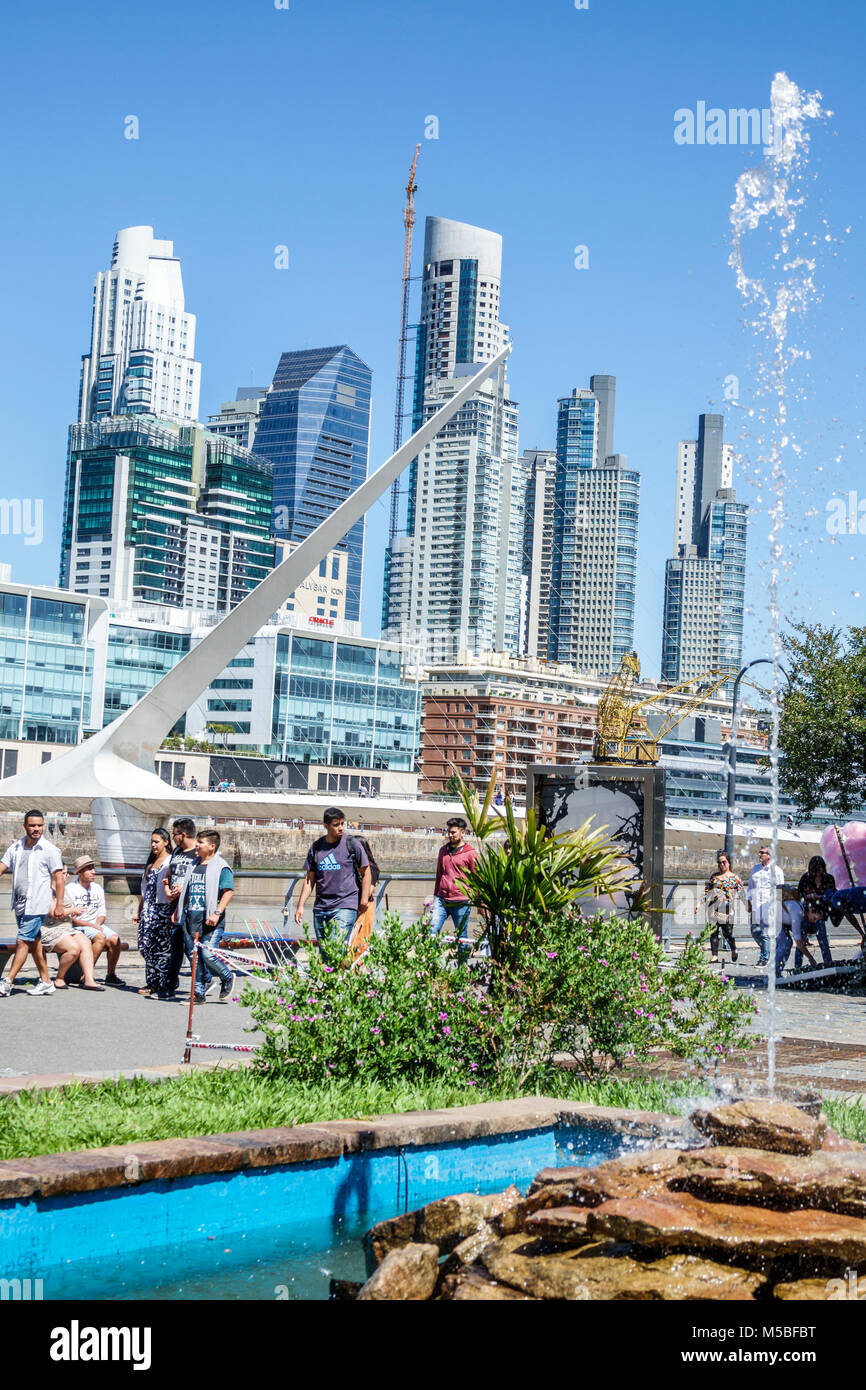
(194,1041)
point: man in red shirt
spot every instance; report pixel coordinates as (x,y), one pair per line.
(449,892)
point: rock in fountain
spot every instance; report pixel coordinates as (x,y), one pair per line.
(777,1211)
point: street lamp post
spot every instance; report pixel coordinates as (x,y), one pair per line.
(731,753)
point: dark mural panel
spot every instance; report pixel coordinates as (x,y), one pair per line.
(626,803)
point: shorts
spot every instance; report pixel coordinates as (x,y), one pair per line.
(91,932)
(29,928)
(52,933)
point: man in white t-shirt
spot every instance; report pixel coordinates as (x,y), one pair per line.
(86,900)
(764,883)
(37,874)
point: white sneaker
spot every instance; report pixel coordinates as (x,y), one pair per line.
(44,987)
(5,987)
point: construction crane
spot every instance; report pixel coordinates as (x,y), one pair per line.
(408,223)
(623,735)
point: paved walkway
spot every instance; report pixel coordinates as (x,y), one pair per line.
(822,1034)
(77,1031)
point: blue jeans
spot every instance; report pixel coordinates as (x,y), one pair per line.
(761,933)
(207,964)
(344,918)
(784,942)
(458,912)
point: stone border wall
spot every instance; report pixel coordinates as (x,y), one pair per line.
(128,1165)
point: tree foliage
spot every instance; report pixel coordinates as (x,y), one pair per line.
(822,732)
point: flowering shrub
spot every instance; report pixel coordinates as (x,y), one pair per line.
(415,1009)
(605,997)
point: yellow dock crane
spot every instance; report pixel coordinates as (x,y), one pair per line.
(623,735)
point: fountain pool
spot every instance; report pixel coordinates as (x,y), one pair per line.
(275,1232)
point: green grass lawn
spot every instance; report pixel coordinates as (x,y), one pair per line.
(213,1102)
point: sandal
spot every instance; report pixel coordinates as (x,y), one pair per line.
(60,984)
(146,991)
(100,989)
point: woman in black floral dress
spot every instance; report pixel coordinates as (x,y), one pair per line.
(154,918)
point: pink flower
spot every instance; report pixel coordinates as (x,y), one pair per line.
(442,1018)
(330,969)
(473,1066)
(551,955)
(471,1082)
(445,1032)
(375,1030)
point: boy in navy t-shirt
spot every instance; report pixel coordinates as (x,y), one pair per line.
(205,894)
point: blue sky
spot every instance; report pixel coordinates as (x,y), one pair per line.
(261,127)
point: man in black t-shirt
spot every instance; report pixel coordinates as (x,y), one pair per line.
(340,873)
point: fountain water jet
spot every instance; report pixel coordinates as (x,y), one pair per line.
(769,199)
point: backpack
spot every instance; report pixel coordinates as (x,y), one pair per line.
(352,846)
(375,875)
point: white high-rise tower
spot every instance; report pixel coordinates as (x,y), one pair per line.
(454,580)
(142,340)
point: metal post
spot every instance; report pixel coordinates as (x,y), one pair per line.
(187,1055)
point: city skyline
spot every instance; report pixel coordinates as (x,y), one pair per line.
(655,305)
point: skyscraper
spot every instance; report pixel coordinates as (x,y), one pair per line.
(239,419)
(705,580)
(158,512)
(142,340)
(314,429)
(454,579)
(540,473)
(595,529)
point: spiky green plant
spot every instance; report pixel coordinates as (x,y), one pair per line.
(534,872)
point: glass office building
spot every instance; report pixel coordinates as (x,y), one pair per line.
(72,665)
(136,658)
(314,430)
(344,703)
(48,663)
(160,513)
